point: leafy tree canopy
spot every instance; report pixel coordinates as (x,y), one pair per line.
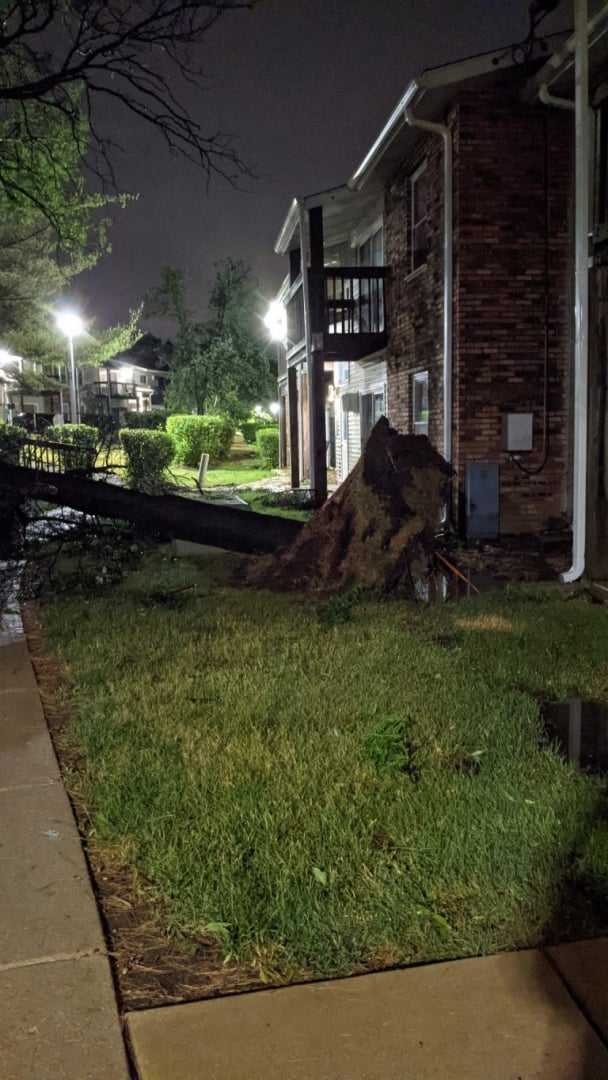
(221,364)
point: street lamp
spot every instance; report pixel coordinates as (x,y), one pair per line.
(275,321)
(71,325)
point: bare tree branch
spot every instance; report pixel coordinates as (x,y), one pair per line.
(71,55)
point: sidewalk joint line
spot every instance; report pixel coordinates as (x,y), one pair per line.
(81,954)
(582,1008)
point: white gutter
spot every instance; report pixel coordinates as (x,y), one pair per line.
(393,125)
(581,292)
(448,269)
(287,228)
(308,340)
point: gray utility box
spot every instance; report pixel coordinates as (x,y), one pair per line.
(517,432)
(482,500)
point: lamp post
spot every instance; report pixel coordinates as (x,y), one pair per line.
(71,325)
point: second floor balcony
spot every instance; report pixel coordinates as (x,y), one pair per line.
(115,390)
(348,303)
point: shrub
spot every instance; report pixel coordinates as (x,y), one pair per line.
(196,435)
(74,434)
(250,427)
(154,420)
(11,441)
(148,454)
(267,447)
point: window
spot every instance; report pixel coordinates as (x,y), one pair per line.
(143,380)
(420,401)
(371,295)
(372,408)
(419,226)
(371,251)
(341,372)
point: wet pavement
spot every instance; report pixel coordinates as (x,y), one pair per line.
(58,1005)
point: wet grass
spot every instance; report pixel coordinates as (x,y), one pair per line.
(240,471)
(330,796)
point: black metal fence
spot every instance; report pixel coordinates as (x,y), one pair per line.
(56,456)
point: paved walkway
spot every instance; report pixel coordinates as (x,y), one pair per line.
(57,1003)
(517,1016)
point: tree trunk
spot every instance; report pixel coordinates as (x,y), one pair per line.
(169,515)
(377,530)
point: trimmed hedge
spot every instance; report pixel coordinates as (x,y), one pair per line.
(196,435)
(148,454)
(11,441)
(249,428)
(74,434)
(267,447)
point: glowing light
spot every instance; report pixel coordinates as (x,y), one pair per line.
(69,323)
(275,408)
(126,374)
(275,321)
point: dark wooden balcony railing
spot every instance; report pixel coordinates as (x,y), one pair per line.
(294,308)
(117,389)
(354,300)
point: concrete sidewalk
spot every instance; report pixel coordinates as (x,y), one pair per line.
(57,1002)
(506,1017)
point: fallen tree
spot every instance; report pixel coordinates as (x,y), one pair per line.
(171,516)
(377,530)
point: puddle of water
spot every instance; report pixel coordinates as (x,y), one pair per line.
(580,729)
(442,587)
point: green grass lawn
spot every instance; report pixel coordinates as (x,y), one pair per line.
(325,796)
(242,468)
(241,471)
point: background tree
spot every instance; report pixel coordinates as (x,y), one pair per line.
(223,364)
(62,61)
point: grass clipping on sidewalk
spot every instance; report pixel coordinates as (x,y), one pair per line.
(326,791)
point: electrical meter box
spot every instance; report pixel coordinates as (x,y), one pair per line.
(517,432)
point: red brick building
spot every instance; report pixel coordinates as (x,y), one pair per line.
(475,337)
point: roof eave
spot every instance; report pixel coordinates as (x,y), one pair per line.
(394,124)
(281,244)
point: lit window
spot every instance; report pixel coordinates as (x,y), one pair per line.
(371,409)
(420,400)
(341,372)
(419,227)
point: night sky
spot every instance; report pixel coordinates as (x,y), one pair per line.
(304,86)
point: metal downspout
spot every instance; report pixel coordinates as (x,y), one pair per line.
(448,269)
(308,340)
(581,292)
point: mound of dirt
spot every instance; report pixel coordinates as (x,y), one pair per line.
(377,530)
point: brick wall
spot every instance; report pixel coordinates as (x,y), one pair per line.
(499,294)
(415,299)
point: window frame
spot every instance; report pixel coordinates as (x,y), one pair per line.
(420,427)
(342,372)
(421,223)
(366,419)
